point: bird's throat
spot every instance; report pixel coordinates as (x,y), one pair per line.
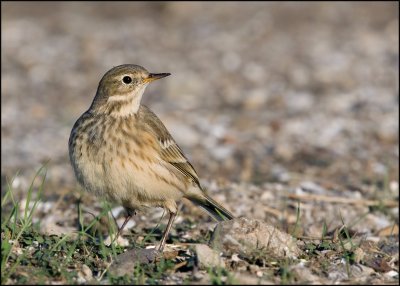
(125,105)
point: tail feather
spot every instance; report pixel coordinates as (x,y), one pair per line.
(214,209)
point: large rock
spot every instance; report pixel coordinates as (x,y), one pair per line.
(126,262)
(253,238)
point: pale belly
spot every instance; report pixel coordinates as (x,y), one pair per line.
(133,182)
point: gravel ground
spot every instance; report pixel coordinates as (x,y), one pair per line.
(274,103)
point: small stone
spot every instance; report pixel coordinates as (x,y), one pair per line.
(207,257)
(231,61)
(358,255)
(341,271)
(389,230)
(348,245)
(130,224)
(198,276)
(394,186)
(235,258)
(49,226)
(117,210)
(86,273)
(392,274)
(254,268)
(126,262)
(245,279)
(119,241)
(304,274)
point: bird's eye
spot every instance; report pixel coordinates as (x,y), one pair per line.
(127,79)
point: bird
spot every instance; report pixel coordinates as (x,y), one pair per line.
(121,151)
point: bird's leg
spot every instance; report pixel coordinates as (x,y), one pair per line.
(166,232)
(131,213)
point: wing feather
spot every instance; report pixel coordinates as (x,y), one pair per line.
(170,151)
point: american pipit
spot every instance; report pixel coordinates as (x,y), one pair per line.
(120,150)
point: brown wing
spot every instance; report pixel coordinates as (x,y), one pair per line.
(170,151)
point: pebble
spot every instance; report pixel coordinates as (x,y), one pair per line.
(207,257)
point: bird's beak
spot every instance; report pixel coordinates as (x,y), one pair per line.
(155,76)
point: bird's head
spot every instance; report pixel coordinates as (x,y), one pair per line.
(120,90)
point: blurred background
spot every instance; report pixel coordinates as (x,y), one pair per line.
(288,111)
(259,92)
